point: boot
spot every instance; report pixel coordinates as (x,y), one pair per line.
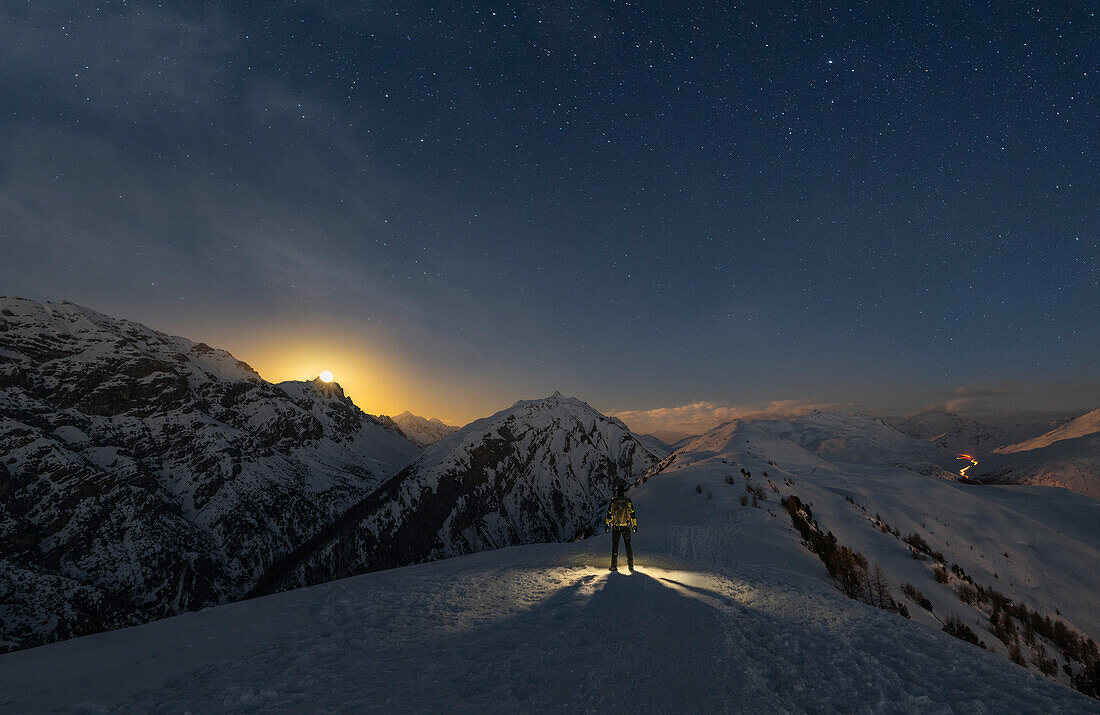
(630,567)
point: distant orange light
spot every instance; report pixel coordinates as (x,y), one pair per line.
(326,376)
(962,472)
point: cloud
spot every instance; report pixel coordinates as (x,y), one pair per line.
(700,416)
(965,399)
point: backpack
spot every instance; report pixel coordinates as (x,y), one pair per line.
(620,512)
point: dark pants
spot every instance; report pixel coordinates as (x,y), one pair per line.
(624,532)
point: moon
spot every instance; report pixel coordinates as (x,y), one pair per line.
(326,376)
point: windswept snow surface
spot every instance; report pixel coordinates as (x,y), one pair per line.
(1035,544)
(537,628)
(727,612)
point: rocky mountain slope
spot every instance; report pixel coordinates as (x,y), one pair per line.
(536,471)
(421,430)
(142,475)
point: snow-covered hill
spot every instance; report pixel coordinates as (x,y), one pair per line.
(421,430)
(858,438)
(1083,426)
(1067,456)
(978,545)
(729,610)
(533,472)
(929,424)
(962,435)
(1071,463)
(655,444)
(142,475)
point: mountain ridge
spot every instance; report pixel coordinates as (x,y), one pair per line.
(145,474)
(422,430)
(535,471)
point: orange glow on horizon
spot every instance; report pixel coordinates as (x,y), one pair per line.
(373,371)
(379,383)
(372,381)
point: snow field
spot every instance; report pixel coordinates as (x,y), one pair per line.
(537,629)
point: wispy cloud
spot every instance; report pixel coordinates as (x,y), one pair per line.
(967,399)
(700,416)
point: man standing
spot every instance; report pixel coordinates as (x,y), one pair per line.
(621,519)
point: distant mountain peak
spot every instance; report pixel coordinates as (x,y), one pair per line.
(421,430)
(537,471)
(327,389)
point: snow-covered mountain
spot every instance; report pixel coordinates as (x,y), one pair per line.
(1072,464)
(421,430)
(858,438)
(1019,453)
(1067,456)
(655,444)
(534,472)
(962,435)
(1083,426)
(947,549)
(929,424)
(730,610)
(142,475)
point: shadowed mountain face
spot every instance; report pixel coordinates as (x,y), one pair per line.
(142,475)
(535,472)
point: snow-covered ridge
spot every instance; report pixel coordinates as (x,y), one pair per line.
(1032,453)
(837,437)
(421,430)
(962,435)
(537,471)
(1034,547)
(143,474)
(1086,424)
(1072,463)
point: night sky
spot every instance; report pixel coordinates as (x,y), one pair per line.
(748,208)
